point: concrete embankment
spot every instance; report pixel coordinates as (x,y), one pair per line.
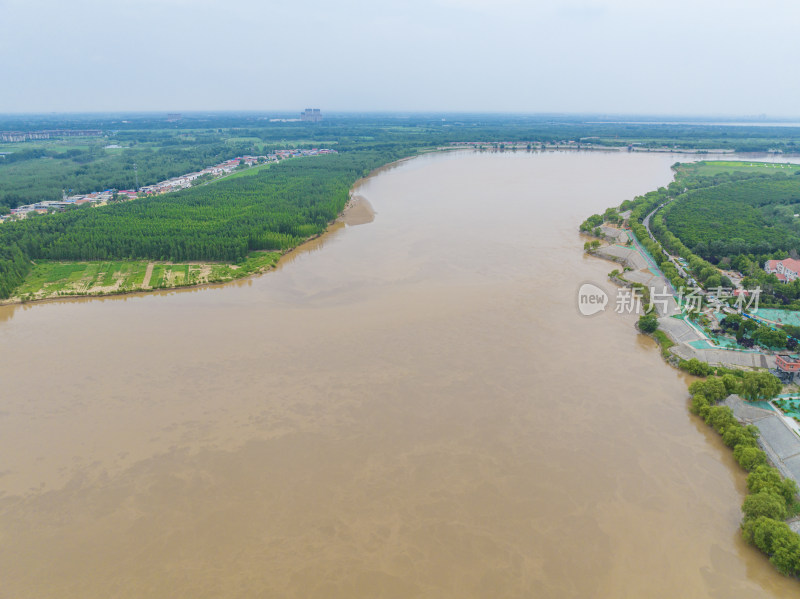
(688,339)
(777,439)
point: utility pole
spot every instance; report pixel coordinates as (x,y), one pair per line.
(136,174)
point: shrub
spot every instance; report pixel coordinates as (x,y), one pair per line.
(764,504)
(648,323)
(720,418)
(696,367)
(736,436)
(700,405)
(767,478)
(749,458)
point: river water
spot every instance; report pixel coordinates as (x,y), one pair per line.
(408,407)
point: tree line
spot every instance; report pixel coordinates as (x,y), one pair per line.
(771,499)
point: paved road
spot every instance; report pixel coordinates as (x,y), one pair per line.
(780,443)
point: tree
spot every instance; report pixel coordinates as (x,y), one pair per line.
(760,386)
(739,435)
(648,323)
(749,458)
(700,405)
(731,322)
(764,504)
(720,418)
(696,367)
(713,388)
(767,478)
(775,539)
(713,282)
(732,383)
(768,337)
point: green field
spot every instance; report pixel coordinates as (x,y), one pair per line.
(247,172)
(52,279)
(716,167)
(49,280)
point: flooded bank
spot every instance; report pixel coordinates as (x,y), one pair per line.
(407,407)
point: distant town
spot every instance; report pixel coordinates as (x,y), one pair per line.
(101,198)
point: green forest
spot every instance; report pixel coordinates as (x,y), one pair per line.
(745,217)
(38,170)
(36,174)
(278,207)
(274,209)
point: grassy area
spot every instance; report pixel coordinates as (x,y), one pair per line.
(157,276)
(57,279)
(716,167)
(247,172)
(664,341)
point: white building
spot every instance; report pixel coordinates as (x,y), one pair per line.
(786,270)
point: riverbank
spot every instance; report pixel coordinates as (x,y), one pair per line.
(762,442)
(689,341)
(397,409)
(54,281)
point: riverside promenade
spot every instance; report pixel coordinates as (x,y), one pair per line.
(779,441)
(690,342)
(776,438)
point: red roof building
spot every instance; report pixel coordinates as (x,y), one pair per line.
(786,270)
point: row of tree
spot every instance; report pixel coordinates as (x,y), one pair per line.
(771,498)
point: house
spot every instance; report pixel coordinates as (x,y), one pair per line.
(787,363)
(787,368)
(786,270)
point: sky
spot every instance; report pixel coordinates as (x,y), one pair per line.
(678,57)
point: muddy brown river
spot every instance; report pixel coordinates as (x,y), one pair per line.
(407,407)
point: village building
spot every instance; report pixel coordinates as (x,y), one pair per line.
(182,182)
(787,368)
(786,270)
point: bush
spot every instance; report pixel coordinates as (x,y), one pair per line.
(664,341)
(720,418)
(749,458)
(736,436)
(764,504)
(648,323)
(695,367)
(767,478)
(713,388)
(700,405)
(732,383)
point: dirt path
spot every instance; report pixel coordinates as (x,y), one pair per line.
(147,274)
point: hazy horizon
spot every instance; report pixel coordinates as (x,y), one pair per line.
(600,57)
(582,117)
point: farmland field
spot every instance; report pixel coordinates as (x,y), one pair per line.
(50,279)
